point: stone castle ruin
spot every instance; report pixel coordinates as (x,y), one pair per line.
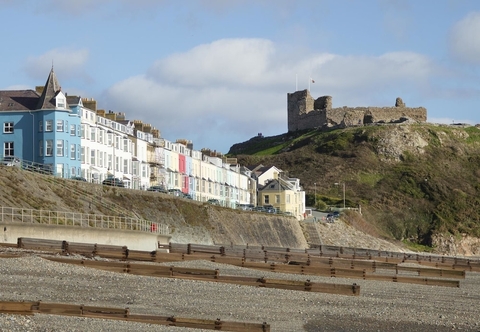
(304,112)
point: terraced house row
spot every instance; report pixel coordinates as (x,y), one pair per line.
(70,137)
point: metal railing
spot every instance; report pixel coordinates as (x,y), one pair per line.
(62,218)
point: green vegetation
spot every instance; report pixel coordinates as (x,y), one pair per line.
(408,190)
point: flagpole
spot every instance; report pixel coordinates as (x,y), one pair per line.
(309,84)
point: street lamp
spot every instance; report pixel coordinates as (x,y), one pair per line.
(315,184)
(343,184)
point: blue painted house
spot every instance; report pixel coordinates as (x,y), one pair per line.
(40,128)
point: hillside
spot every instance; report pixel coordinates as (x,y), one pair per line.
(188,221)
(418,183)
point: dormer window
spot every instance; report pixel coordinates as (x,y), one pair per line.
(60,102)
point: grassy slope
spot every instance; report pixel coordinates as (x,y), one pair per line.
(422,194)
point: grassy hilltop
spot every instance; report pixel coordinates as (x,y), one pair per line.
(413,181)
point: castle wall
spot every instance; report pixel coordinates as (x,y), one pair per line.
(299,103)
(306,113)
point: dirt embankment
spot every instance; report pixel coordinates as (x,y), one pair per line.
(188,221)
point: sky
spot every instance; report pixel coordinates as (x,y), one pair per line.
(217,72)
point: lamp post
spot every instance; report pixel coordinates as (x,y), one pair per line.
(315,184)
(343,185)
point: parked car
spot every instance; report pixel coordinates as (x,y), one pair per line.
(159,189)
(213,201)
(245,207)
(12,161)
(79,178)
(187,196)
(336,214)
(330,218)
(116,182)
(175,192)
(269,209)
(259,209)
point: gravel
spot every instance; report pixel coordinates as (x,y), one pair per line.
(382,306)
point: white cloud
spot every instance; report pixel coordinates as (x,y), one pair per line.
(237,61)
(70,62)
(227,91)
(465,39)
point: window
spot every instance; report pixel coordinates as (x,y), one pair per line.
(72,171)
(61,102)
(60,170)
(40,126)
(40,148)
(60,147)
(125,145)
(8,149)
(92,157)
(135,168)
(59,125)
(266,199)
(8,127)
(93,131)
(49,125)
(125,166)
(72,130)
(100,137)
(83,155)
(49,148)
(73,152)
(83,131)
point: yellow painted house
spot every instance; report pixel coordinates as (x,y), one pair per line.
(283,193)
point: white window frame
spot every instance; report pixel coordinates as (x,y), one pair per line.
(60,126)
(73,151)
(49,147)
(60,147)
(8,149)
(8,127)
(49,125)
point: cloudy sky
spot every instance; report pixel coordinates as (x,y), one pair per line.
(217,72)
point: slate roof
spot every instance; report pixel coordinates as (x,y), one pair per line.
(30,100)
(50,91)
(73,100)
(18,100)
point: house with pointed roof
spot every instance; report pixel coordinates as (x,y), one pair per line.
(277,190)
(39,127)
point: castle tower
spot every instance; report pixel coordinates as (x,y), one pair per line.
(298,103)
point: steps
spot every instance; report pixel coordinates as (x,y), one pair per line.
(313,235)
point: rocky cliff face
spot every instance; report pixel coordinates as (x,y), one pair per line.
(457,245)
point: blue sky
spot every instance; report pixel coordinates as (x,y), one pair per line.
(217,72)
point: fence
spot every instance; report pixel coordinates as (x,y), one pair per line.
(20,215)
